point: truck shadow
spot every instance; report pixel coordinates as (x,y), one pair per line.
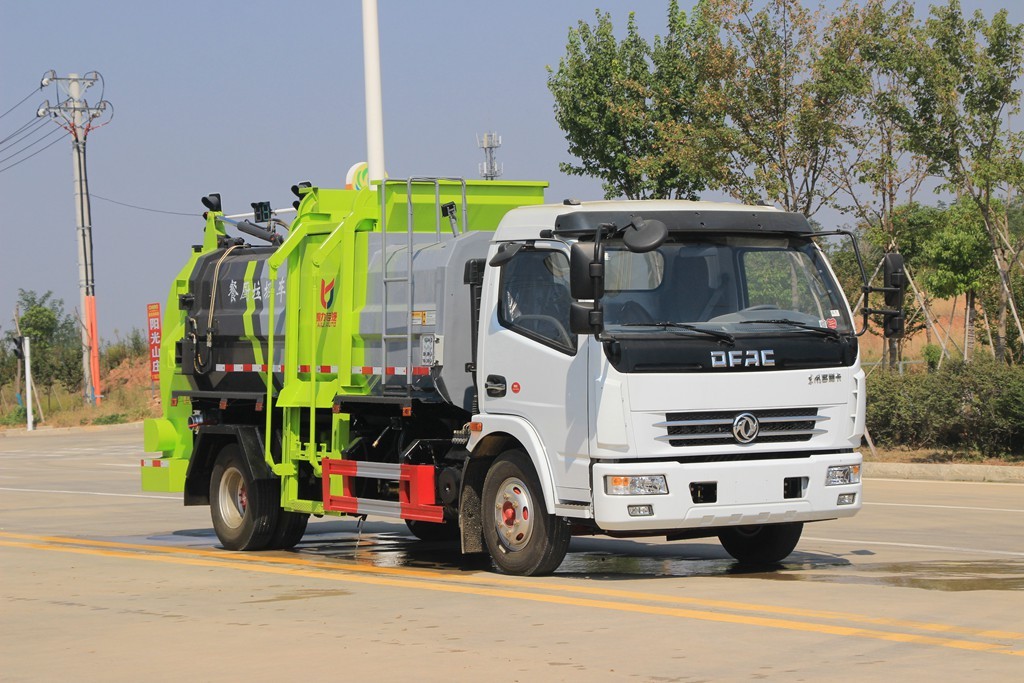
(387,544)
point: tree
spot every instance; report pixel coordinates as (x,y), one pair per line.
(962,84)
(56,345)
(637,117)
(789,99)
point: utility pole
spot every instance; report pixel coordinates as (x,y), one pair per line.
(26,346)
(489,169)
(76,116)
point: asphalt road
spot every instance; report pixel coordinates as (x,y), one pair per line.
(101,581)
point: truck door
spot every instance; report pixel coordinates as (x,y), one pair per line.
(533,367)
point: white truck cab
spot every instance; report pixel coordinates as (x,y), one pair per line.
(678,368)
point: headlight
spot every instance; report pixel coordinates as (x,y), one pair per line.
(838,475)
(641,485)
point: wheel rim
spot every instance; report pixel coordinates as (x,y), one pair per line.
(233,498)
(513,514)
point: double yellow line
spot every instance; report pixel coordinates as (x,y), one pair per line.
(533,590)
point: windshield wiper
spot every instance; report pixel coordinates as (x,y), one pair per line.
(825,331)
(717,334)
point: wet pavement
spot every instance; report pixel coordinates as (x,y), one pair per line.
(928,580)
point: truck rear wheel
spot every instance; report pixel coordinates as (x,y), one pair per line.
(521,536)
(291,526)
(245,512)
(761,544)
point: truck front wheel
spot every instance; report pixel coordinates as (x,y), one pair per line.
(244,511)
(521,536)
(761,544)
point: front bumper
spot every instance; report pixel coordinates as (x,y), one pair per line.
(748,492)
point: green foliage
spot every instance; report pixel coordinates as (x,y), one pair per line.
(963,81)
(624,105)
(957,255)
(875,170)
(111,419)
(56,345)
(790,85)
(975,407)
(932,354)
(14,418)
(134,345)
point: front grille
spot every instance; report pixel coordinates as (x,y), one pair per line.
(714,428)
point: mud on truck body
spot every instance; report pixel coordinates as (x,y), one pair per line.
(505,374)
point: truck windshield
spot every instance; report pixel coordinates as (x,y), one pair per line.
(734,284)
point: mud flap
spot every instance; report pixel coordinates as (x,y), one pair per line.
(470,523)
(210,440)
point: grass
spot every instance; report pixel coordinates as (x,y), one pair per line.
(122,404)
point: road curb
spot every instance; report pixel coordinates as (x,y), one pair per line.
(1004,474)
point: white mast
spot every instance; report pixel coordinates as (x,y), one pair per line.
(371,78)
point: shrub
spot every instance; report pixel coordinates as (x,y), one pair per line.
(111,419)
(976,407)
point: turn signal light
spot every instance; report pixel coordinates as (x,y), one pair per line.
(638,485)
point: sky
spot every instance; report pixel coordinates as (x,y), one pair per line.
(248,98)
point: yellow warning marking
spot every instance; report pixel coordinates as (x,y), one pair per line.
(440,582)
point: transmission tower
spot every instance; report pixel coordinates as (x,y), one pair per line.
(76,116)
(489,168)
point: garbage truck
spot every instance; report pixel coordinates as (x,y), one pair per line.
(503,374)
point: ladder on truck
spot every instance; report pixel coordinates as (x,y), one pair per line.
(405,275)
(416,492)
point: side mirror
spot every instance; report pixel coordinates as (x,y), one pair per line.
(584,319)
(642,236)
(505,253)
(894,287)
(586,271)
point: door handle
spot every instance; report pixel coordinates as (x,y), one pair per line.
(495,386)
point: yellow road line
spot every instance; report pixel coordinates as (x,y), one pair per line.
(198,558)
(535,584)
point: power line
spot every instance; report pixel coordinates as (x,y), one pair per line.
(21,102)
(144,208)
(38,151)
(26,147)
(35,121)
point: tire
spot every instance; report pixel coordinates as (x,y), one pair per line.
(245,512)
(433,531)
(763,544)
(520,536)
(291,526)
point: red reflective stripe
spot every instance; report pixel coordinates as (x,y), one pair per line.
(303,368)
(421,370)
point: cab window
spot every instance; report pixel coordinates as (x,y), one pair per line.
(535,298)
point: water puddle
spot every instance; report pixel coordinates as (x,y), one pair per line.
(384,544)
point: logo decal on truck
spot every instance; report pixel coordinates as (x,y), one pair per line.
(327,319)
(745,427)
(751,358)
(327,293)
